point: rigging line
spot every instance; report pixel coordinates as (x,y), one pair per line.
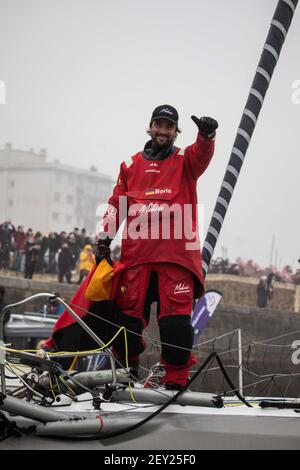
(289,345)
(14,366)
(266,379)
(73,363)
(275,374)
(270,388)
(148,338)
(230,383)
(193,349)
(262,342)
(126,363)
(155,341)
(217,337)
(102,348)
(212,369)
(74,353)
(227,351)
(254,343)
(276,385)
(287,387)
(267,386)
(23,381)
(273,337)
(252,384)
(51,386)
(82,353)
(115,324)
(71,391)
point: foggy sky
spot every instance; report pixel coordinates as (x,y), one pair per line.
(83,77)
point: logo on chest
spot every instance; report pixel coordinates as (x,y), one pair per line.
(151,192)
(152,207)
(153,168)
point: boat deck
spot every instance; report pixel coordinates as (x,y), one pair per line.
(178,427)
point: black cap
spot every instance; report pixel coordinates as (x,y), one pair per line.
(165,111)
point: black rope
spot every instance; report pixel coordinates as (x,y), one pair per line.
(231,384)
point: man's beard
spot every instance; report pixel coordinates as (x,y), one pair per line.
(161,146)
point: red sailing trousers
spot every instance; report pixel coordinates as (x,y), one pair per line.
(175,289)
(175,294)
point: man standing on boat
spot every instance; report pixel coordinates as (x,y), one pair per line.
(156,193)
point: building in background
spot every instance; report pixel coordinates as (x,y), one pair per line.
(49,196)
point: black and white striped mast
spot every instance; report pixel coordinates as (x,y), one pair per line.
(280,24)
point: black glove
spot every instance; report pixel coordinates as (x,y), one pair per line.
(103,249)
(206,125)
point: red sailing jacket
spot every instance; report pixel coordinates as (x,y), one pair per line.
(160,208)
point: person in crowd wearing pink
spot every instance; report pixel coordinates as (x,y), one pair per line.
(19,238)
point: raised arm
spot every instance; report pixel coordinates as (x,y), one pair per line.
(199,154)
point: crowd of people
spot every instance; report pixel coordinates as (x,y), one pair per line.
(65,254)
(267,276)
(249,268)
